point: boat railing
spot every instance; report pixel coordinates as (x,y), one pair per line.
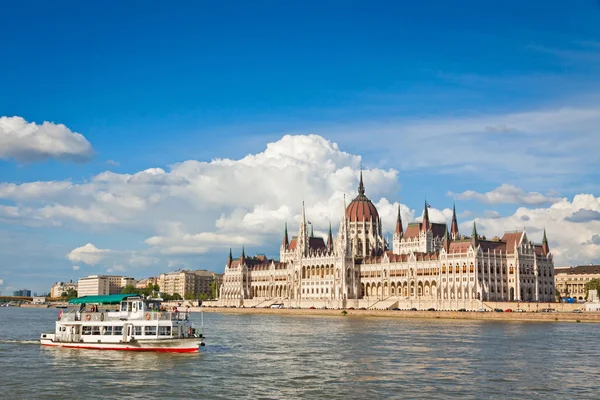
(116,315)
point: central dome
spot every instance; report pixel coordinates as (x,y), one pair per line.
(361,208)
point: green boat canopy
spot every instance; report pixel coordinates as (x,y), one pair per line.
(106,299)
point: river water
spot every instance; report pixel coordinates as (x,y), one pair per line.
(313,357)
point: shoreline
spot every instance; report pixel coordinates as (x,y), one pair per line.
(588,317)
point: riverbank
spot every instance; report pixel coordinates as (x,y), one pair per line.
(590,317)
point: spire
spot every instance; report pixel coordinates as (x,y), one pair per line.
(312,231)
(425,226)
(243,259)
(474,236)
(545,246)
(454,228)
(302,242)
(361,186)
(286,242)
(447,241)
(474,233)
(230,259)
(399,229)
(329,238)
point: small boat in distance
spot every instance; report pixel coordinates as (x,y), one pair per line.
(136,325)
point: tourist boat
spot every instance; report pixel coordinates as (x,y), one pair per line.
(136,324)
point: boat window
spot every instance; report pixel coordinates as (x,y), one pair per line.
(118,330)
(137,330)
(123,306)
(150,330)
(87,330)
(176,331)
(164,330)
(129,307)
(134,306)
(140,305)
(108,330)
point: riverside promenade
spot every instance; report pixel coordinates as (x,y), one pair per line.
(590,317)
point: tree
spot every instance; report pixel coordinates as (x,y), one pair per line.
(69,294)
(594,284)
(214,290)
(130,289)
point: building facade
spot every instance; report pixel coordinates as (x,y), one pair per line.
(571,282)
(96,285)
(427,262)
(143,283)
(189,284)
(59,288)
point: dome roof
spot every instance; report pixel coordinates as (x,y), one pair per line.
(361,208)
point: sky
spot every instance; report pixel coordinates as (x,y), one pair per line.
(143,137)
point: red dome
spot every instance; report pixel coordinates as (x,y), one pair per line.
(361,209)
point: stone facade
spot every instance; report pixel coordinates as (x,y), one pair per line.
(60,287)
(570,282)
(96,285)
(189,284)
(427,265)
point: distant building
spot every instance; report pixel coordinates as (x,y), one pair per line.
(189,284)
(96,285)
(570,282)
(143,283)
(22,293)
(60,287)
(39,300)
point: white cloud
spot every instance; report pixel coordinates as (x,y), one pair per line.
(113,162)
(88,254)
(539,146)
(28,142)
(571,243)
(75,267)
(195,208)
(1,281)
(218,203)
(508,194)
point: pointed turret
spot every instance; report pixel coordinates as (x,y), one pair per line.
(312,231)
(302,243)
(447,241)
(454,228)
(243,258)
(329,239)
(230,259)
(474,236)
(361,186)
(425,226)
(399,228)
(545,246)
(286,242)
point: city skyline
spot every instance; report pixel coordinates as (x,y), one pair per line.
(165,146)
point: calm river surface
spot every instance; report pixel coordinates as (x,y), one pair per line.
(275,357)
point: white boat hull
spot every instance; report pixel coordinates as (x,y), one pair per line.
(180,345)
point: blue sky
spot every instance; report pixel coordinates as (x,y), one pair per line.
(453,97)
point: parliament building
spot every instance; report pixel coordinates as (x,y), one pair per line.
(427,265)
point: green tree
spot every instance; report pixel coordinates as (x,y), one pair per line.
(594,284)
(130,289)
(69,294)
(214,290)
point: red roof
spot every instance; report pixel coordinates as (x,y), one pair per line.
(412,230)
(512,239)
(361,209)
(459,247)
